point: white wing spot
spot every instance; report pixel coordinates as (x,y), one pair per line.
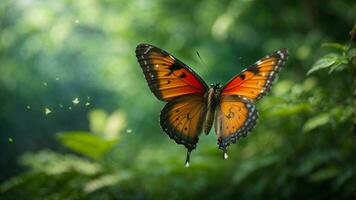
(281,54)
(147,50)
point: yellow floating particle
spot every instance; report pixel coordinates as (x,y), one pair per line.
(76,100)
(47,111)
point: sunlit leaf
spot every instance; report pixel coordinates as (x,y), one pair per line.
(88,144)
(324,62)
(114,124)
(335,46)
(98,119)
(316,121)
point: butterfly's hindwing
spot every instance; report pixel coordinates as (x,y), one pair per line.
(235,117)
(182,119)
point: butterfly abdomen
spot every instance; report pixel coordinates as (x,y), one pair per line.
(212,101)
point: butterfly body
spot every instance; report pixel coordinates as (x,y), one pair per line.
(212,99)
(192,107)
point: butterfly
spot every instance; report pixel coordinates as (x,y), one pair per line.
(192,106)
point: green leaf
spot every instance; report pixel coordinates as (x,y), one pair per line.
(325,62)
(98,119)
(340,64)
(316,121)
(325,173)
(335,45)
(87,143)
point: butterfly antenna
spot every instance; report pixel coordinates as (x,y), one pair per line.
(201,60)
(187,160)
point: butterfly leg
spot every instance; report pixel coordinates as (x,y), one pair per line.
(187,160)
(225,156)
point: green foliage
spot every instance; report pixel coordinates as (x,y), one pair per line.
(52,52)
(334,61)
(91,144)
(86,143)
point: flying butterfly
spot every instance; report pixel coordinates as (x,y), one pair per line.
(192,106)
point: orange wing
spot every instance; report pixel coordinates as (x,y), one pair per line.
(255,81)
(182,119)
(235,117)
(166,76)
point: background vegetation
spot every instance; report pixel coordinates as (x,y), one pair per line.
(77,120)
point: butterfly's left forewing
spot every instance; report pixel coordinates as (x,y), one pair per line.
(168,77)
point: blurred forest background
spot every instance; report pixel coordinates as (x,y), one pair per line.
(77,120)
